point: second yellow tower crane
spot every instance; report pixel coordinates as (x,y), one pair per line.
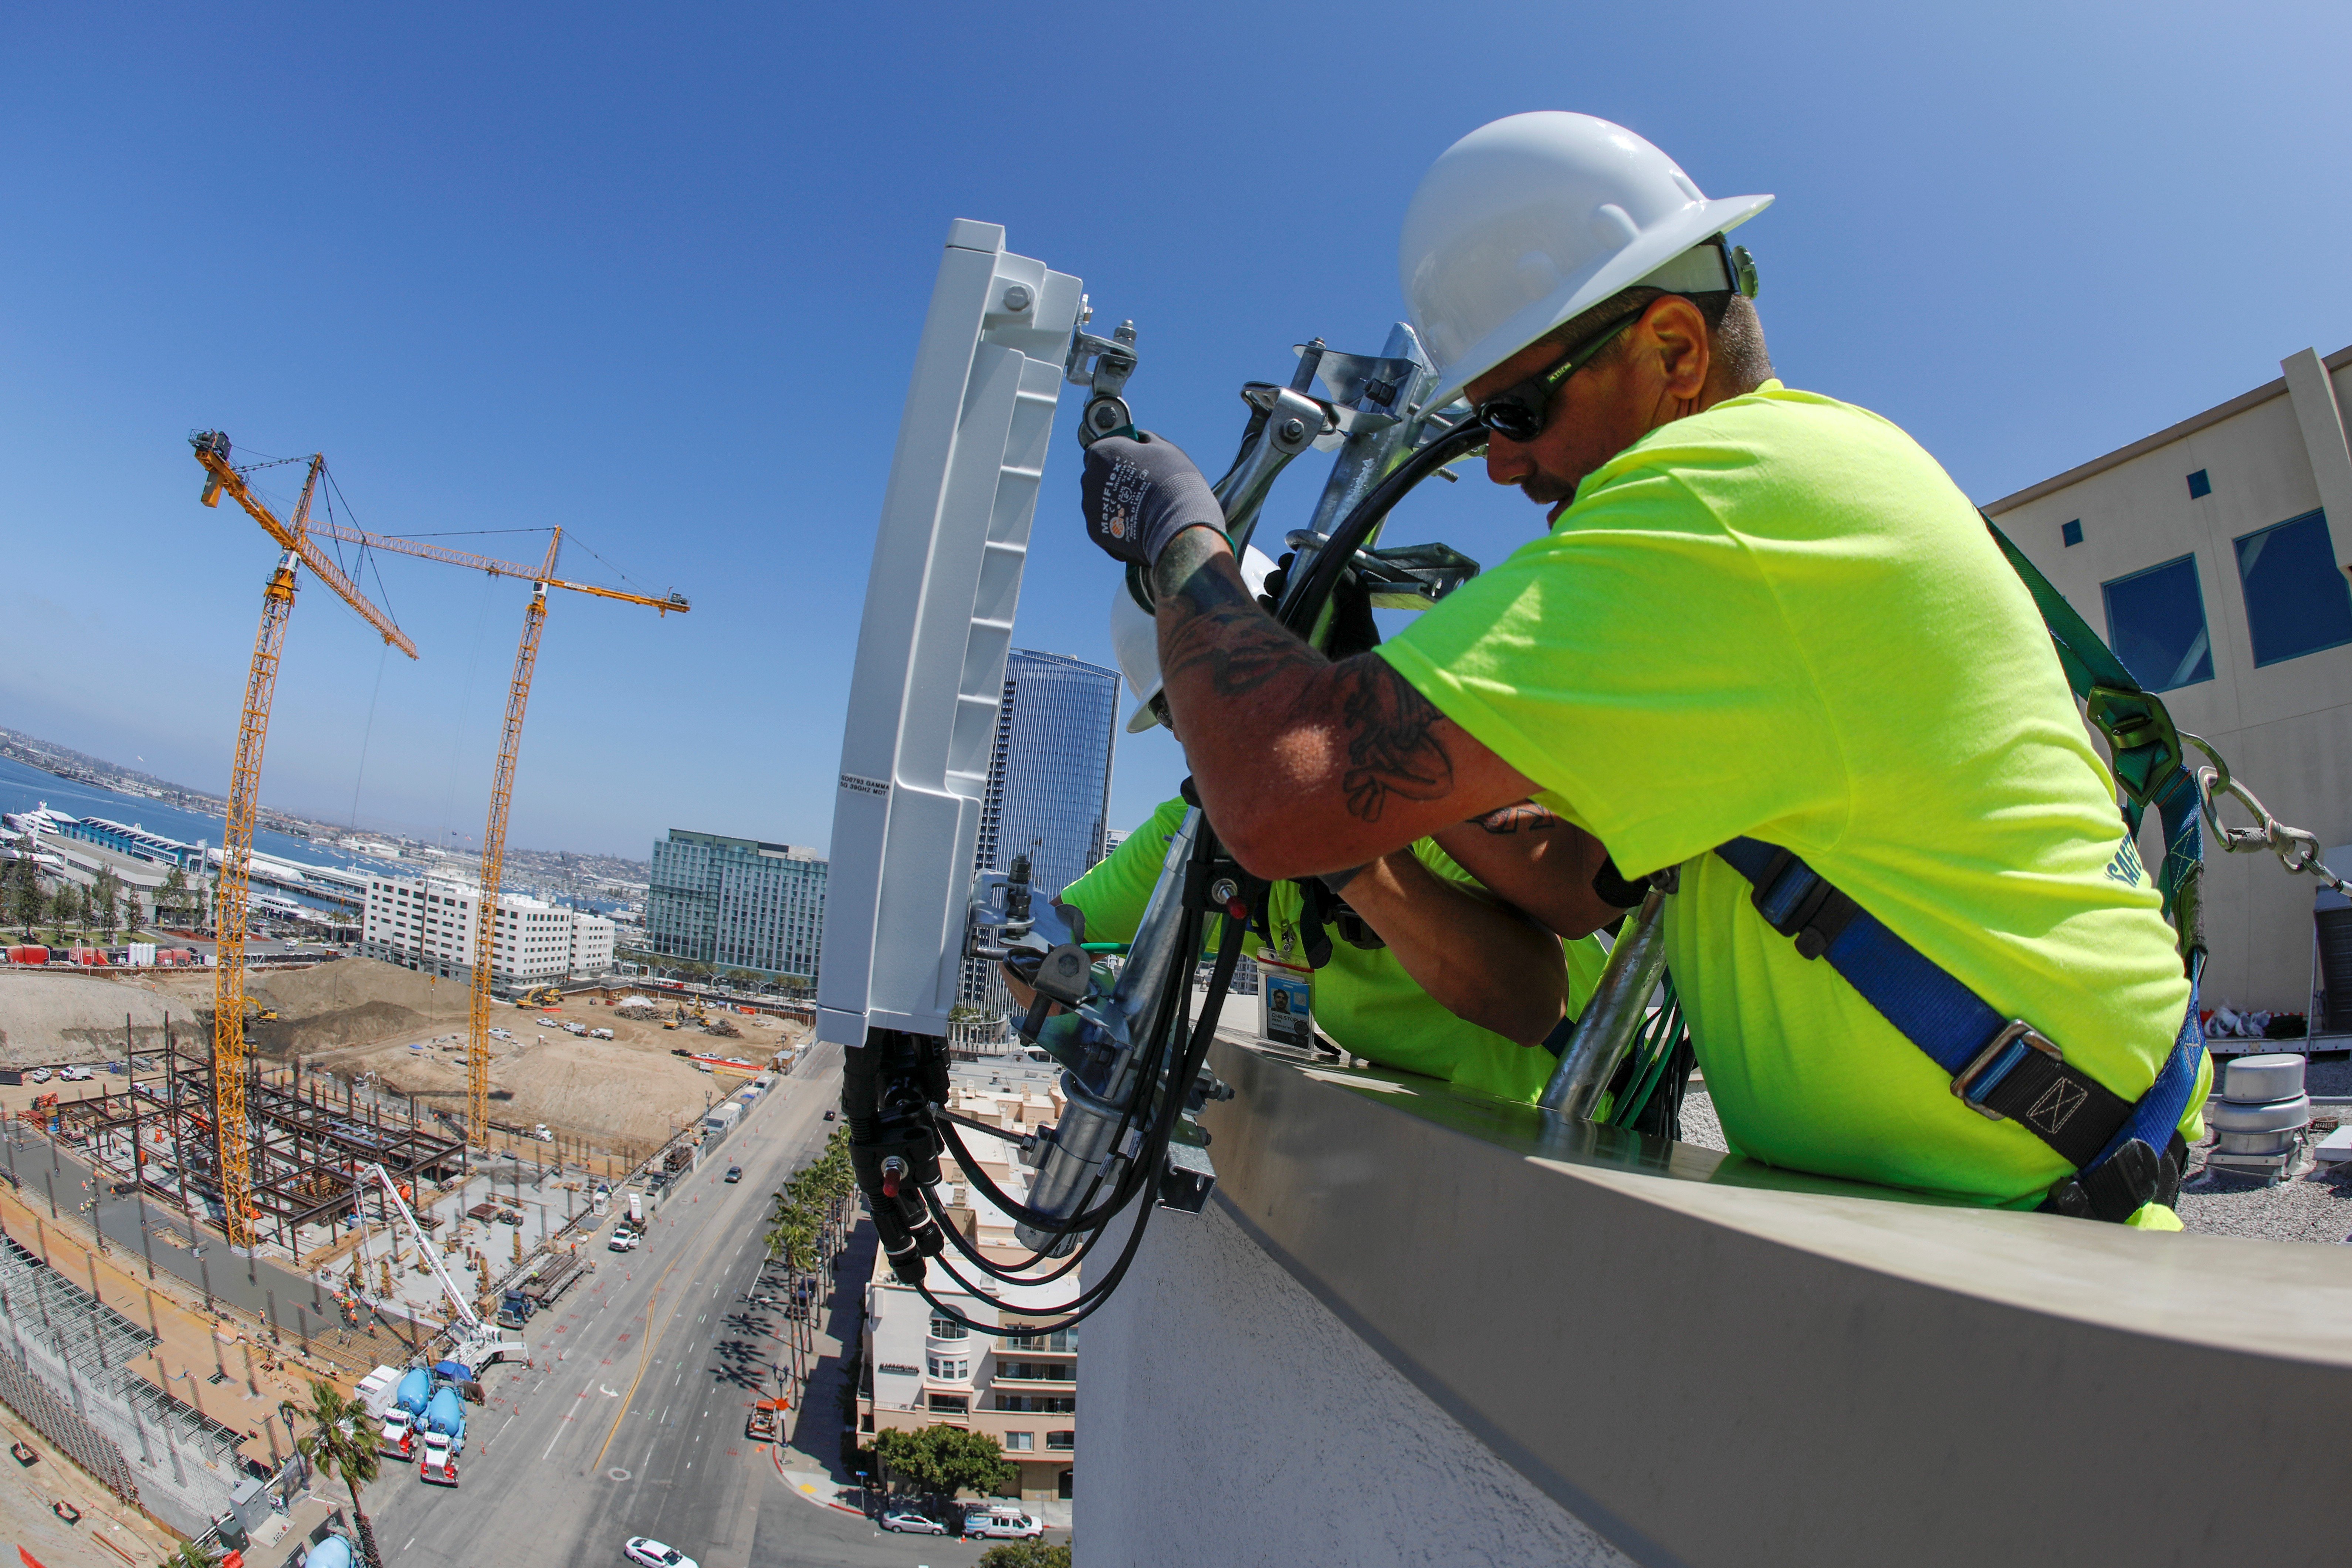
(487,933)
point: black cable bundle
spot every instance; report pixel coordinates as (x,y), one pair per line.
(1301,605)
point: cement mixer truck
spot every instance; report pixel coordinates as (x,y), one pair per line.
(443,1429)
(400,1416)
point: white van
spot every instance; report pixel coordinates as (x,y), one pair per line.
(1002,1521)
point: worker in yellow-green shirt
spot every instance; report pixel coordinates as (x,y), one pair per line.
(1763,647)
(1364,997)
(1415,965)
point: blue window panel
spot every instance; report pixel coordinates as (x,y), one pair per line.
(2070,533)
(2156,623)
(2199,485)
(2297,598)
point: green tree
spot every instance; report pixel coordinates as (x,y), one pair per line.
(131,913)
(25,887)
(941,1461)
(105,901)
(188,1555)
(1025,1554)
(344,1445)
(66,908)
(172,898)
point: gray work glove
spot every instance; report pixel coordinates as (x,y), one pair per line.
(1139,494)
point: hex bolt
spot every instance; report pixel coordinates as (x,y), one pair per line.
(1018,296)
(1292,429)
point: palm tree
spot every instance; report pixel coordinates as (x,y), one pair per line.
(188,1555)
(342,1445)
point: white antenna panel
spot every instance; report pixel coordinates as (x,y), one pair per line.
(940,600)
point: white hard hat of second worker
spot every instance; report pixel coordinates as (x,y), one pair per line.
(1531,221)
(1135,638)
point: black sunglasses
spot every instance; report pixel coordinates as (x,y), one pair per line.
(1519,413)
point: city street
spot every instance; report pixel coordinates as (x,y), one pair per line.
(631,1420)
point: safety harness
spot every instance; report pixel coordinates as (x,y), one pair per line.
(2125,1154)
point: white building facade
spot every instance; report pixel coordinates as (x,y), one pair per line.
(924,1369)
(428,925)
(2211,556)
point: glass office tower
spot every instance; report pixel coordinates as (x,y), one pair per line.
(1048,783)
(736,904)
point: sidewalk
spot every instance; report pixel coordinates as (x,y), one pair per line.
(815,1446)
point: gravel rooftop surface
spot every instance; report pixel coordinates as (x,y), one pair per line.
(2314,1206)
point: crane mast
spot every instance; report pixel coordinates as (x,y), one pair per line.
(232,1162)
(494,834)
(494,853)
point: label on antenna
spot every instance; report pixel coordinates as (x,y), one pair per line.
(856,784)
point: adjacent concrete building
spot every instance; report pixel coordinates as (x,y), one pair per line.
(736,904)
(427,925)
(2206,553)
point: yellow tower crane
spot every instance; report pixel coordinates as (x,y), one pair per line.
(232,1143)
(494,836)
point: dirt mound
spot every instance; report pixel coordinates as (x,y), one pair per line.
(57,1017)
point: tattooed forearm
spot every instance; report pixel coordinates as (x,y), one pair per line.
(1218,627)
(1392,745)
(1527,817)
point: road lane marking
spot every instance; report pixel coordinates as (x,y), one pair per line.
(644,1346)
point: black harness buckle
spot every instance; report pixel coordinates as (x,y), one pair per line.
(1799,903)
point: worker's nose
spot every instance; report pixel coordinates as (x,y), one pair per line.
(1508,462)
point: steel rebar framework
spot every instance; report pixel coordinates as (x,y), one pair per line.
(305,1144)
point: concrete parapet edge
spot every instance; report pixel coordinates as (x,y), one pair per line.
(1709,1363)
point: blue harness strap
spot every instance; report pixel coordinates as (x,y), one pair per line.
(2002,1067)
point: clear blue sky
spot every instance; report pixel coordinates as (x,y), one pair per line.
(655,273)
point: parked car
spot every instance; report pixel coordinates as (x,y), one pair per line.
(734,1174)
(907,1521)
(38,1075)
(647,1553)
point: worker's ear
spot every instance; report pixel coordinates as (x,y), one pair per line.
(1676,333)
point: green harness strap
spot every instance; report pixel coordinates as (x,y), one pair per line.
(2141,740)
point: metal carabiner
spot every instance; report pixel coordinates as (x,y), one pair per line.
(2234,840)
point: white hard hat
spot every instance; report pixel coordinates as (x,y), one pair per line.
(1135,637)
(1530,221)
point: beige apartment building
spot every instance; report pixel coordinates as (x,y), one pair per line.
(2207,554)
(920,1368)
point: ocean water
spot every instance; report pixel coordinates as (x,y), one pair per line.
(22,787)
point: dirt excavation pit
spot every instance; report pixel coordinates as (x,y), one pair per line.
(45,1018)
(357,1015)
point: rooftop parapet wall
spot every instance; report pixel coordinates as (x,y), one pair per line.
(1701,1360)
